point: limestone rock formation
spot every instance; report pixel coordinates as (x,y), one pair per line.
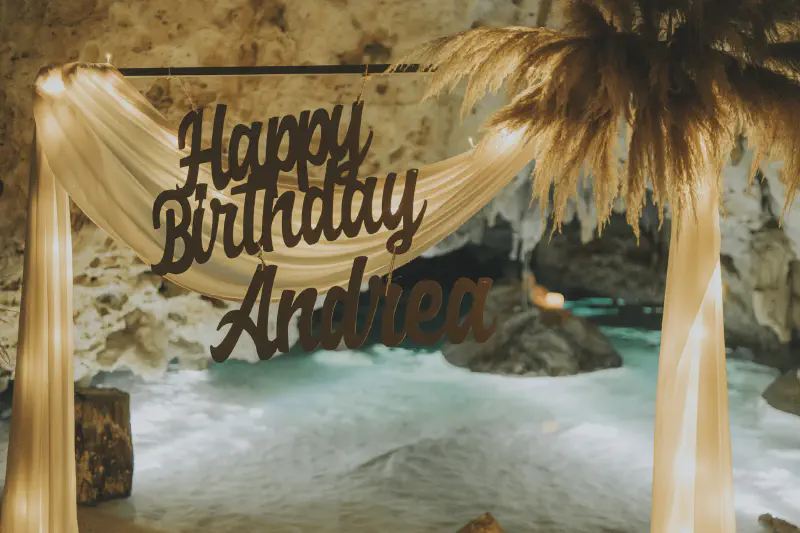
(776,525)
(533,342)
(759,262)
(103,445)
(613,265)
(485,523)
(784,393)
(125,317)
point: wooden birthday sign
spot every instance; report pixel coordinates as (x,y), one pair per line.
(341,161)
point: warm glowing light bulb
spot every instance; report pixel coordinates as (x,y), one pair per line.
(52,84)
(554,300)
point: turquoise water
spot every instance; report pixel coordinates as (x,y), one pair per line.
(392,441)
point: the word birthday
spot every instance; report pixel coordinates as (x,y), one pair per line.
(253,183)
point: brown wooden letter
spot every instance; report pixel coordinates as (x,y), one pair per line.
(415,315)
(456,333)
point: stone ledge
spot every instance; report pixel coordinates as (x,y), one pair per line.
(485,523)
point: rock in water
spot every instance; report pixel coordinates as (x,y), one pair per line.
(784,393)
(533,342)
(103,445)
(485,523)
(776,525)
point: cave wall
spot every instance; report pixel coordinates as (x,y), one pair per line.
(759,255)
(758,260)
(125,316)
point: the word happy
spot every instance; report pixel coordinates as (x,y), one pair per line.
(251,180)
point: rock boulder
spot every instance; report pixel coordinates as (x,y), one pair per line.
(784,393)
(776,525)
(533,342)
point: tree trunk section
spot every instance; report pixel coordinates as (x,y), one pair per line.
(692,473)
(103,445)
(545,6)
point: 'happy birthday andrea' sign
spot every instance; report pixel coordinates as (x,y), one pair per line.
(257,176)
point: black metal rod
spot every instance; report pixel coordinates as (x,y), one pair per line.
(277,70)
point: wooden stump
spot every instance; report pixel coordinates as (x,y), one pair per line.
(103,445)
(485,523)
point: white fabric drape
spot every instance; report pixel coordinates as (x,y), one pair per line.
(692,471)
(39,495)
(112,152)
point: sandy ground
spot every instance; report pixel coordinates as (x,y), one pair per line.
(91,520)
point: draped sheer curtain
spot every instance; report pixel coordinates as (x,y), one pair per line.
(39,493)
(113,153)
(99,141)
(102,143)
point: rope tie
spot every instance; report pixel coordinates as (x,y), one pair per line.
(391,270)
(193,107)
(359,100)
(183,86)
(363,85)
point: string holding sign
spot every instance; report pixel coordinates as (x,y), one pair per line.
(360,100)
(170,77)
(366,78)
(391,270)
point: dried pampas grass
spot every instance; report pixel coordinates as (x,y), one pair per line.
(681,78)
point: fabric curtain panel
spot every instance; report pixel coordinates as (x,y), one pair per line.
(100,141)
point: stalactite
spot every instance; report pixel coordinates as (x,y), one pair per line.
(545,7)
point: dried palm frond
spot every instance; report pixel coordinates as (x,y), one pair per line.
(684,77)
